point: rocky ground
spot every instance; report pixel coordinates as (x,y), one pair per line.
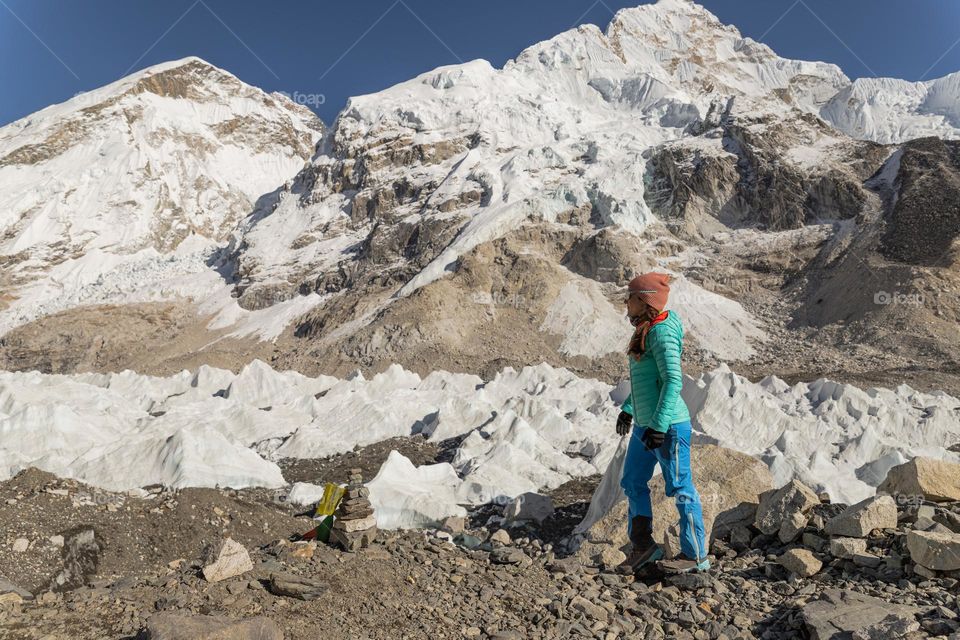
(81,563)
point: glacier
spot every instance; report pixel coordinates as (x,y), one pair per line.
(526,430)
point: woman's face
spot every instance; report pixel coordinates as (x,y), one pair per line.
(636,308)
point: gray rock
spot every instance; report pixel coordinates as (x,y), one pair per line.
(814,541)
(9,587)
(608,556)
(841,613)
(866,560)
(858,520)
(846,548)
(591,610)
(893,626)
(948,519)
(454,524)
(507,555)
(353,540)
(740,537)
(792,526)
(294,586)
(692,581)
(801,562)
(225,559)
(175,626)
(936,480)
(81,557)
(935,550)
(778,505)
(529,506)
(500,536)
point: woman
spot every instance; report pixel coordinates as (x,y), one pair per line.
(661,432)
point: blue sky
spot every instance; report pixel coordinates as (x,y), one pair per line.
(52,49)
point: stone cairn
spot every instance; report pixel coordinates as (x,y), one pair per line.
(355,526)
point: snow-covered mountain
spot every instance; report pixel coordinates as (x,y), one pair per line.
(470,217)
(568,125)
(565,127)
(159,163)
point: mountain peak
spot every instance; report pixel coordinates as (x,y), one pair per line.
(117,175)
(172,64)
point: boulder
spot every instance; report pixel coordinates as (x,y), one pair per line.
(792,526)
(729,484)
(893,626)
(81,558)
(294,586)
(801,562)
(858,520)
(935,480)
(500,536)
(847,548)
(9,587)
(740,537)
(175,626)
(508,555)
(924,572)
(781,504)
(815,542)
(225,560)
(301,550)
(454,524)
(948,519)
(866,560)
(839,614)
(529,506)
(933,550)
(591,610)
(609,557)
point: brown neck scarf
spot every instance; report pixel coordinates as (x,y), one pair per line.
(638,342)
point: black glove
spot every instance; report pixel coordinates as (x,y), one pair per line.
(652,438)
(624,420)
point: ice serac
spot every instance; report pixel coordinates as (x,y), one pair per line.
(889,110)
(406,497)
(527,430)
(109,194)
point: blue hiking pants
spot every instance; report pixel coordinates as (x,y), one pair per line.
(674,459)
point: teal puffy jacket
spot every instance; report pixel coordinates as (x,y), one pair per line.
(655,379)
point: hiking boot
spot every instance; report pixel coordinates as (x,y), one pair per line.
(681,564)
(640,557)
(645,551)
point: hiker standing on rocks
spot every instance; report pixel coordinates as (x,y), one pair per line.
(661,431)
